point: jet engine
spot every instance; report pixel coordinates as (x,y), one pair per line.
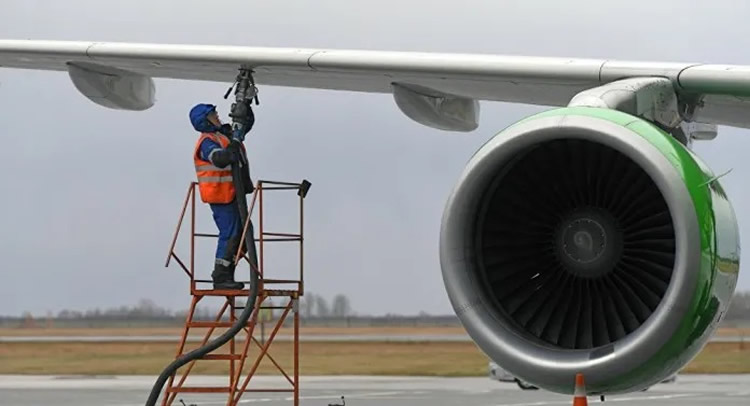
(589,240)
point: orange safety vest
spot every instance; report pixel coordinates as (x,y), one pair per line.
(214,183)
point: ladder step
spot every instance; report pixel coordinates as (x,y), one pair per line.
(219,292)
(199,389)
(221,357)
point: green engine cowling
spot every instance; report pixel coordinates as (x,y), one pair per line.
(589,240)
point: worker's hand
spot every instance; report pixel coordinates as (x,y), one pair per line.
(226,129)
(234,148)
(249,121)
(250,118)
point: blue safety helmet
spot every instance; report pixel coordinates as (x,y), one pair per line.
(199,117)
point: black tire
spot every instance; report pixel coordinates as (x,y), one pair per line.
(525,386)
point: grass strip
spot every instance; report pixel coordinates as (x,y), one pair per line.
(316,358)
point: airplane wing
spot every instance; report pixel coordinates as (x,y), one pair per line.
(119,75)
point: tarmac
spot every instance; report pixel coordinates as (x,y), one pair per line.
(688,390)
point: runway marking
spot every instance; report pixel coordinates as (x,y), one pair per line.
(628,399)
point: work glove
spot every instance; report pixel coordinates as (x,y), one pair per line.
(226,129)
(227,156)
(234,148)
(249,121)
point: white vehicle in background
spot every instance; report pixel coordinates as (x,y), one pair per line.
(499,374)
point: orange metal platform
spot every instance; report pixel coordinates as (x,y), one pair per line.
(245,348)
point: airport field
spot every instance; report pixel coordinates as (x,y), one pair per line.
(437,359)
(316,358)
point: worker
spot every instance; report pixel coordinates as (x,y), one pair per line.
(215,153)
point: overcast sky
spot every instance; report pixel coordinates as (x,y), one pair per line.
(91,195)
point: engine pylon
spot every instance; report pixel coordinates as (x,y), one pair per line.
(579,396)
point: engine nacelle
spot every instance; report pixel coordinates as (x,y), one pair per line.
(112,87)
(589,240)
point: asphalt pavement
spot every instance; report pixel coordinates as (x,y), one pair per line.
(688,390)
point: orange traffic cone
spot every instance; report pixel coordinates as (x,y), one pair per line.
(579,396)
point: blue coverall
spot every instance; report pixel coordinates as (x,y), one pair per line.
(226,216)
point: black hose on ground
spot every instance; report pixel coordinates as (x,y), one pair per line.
(252,295)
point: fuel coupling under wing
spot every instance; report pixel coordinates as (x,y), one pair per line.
(589,240)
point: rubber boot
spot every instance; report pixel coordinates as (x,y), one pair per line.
(231,276)
(222,277)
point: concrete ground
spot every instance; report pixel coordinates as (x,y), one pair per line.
(688,390)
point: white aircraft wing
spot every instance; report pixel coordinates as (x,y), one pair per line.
(119,75)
